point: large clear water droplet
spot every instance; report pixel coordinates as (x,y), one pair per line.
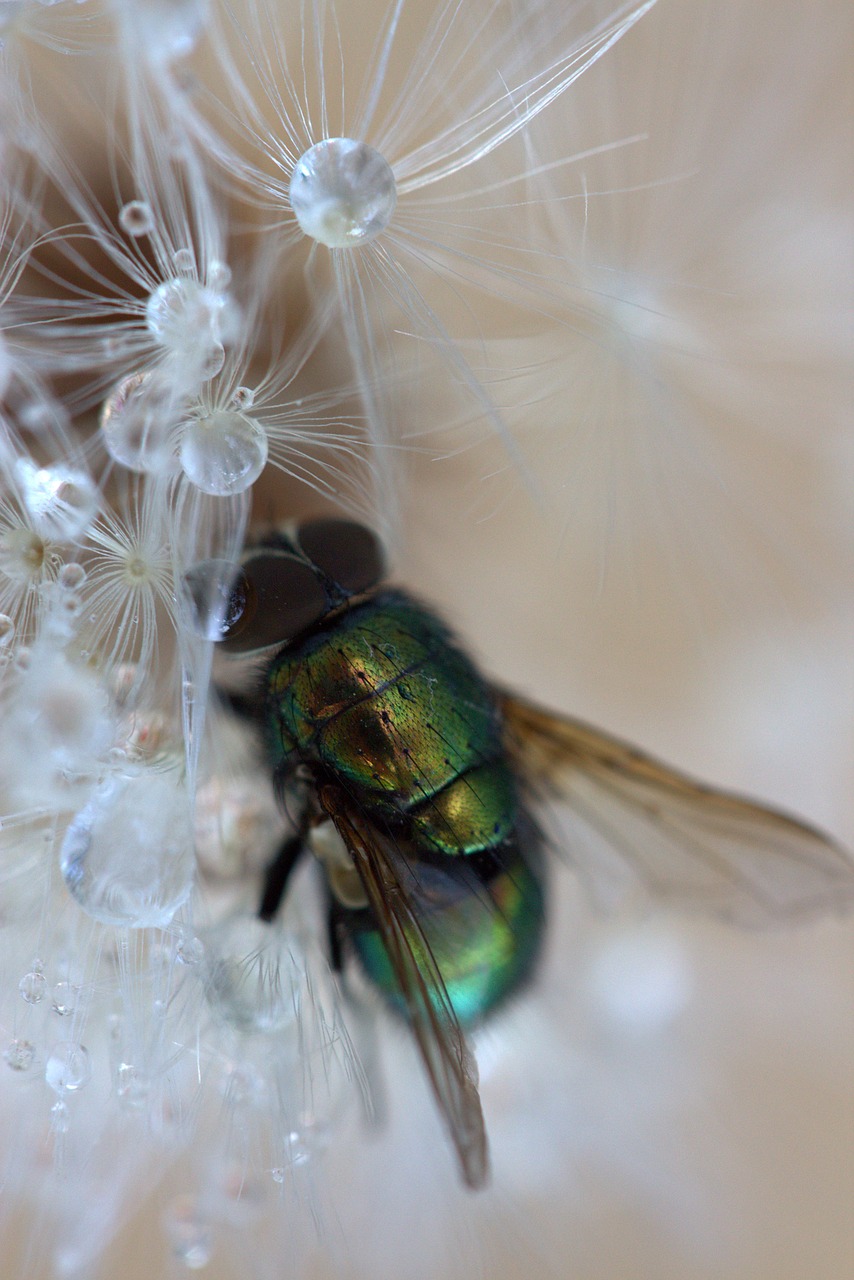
(206,590)
(343,192)
(136,421)
(68,1068)
(62,501)
(127,858)
(191,321)
(224,452)
(252,975)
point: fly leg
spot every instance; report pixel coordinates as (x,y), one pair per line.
(279,870)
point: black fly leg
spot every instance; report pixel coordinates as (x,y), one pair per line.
(334,934)
(278,873)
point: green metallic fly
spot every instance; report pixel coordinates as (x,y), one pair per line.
(412,779)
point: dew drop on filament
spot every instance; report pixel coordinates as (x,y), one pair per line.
(68,1068)
(224,452)
(343,192)
(136,218)
(127,857)
(136,419)
(33,986)
(62,501)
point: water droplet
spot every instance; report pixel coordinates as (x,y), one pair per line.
(64,999)
(243,398)
(68,1068)
(72,577)
(136,421)
(190,951)
(342,192)
(224,452)
(62,501)
(190,320)
(127,858)
(136,218)
(59,1117)
(20,1055)
(184,260)
(23,658)
(252,975)
(278,1174)
(7,629)
(189,1232)
(33,986)
(206,590)
(132,1087)
(219,275)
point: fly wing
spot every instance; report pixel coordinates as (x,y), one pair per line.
(634,822)
(451,1068)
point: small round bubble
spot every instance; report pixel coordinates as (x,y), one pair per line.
(136,218)
(243,398)
(64,999)
(184,259)
(223,453)
(72,577)
(33,986)
(68,1068)
(342,192)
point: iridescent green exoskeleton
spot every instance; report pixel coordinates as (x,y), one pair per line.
(414,778)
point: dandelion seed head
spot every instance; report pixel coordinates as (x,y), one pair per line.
(24,556)
(343,193)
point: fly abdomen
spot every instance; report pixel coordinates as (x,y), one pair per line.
(473,812)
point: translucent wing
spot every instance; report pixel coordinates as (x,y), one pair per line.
(633,821)
(450,1066)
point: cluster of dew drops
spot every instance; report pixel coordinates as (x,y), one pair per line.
(92,772)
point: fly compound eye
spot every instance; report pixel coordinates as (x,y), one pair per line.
(347,552)
(273,597)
